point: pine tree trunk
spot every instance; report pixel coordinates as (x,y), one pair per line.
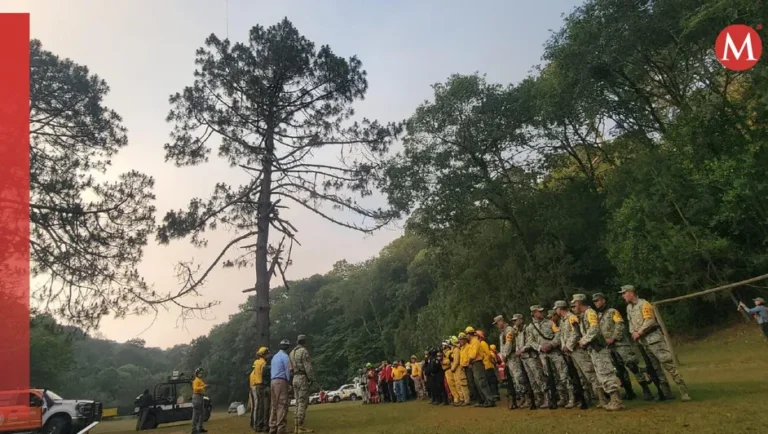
(262,243)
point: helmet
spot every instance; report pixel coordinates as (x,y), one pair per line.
(462,335)
(493,347)
(262,351)
(454,340)
(199,371)
(368,365)
(469,330)
(285,343)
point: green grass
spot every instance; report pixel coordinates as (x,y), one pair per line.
(724,373)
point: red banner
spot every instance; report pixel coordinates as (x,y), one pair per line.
(14,201)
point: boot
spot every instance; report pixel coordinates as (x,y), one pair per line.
(615,403)
(561,399)
(524,401)
(684,396)
(630,392)
(571,398)
(511,402)
(545,402)
(601,396)
(667,391)
(302,429)
(647,395)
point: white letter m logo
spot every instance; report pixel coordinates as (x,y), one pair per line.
(731,46)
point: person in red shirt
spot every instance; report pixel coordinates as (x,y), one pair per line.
(373,389)
(322,396)
(390,385)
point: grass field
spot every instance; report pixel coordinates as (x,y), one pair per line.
(725,374)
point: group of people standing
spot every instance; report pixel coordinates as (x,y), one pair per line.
(577,353)
(271,378)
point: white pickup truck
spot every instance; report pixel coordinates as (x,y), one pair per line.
(351,392)
(38,410)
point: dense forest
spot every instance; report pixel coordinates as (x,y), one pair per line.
(630,156)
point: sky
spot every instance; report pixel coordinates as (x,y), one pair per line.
(144,49)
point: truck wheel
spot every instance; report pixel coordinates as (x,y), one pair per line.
(206,414)
(150,422)
(353,397)
(57,425)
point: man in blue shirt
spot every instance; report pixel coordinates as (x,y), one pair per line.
(760,312)
(280,373)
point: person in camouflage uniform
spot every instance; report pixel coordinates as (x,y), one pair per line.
(615,331)
(524,348)
(646,332)
(594,342)
(545,338)
(302,378)
(570,333)
(506,345)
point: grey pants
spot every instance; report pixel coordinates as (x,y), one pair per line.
(141,418)
(197,414)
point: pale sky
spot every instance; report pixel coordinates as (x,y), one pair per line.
(145,51)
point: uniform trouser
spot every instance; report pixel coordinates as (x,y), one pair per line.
(391,388)
(373,392)
(586,370)
(560,368)
(662,357)
(141,418)
(462,387)
(197,413)
(384,391)
(279,406)
(481,381)
(254,405)
(535,374)
(451,380)
(418,383)
(440,395)
(606,373)
(517,375)
(493,382)
(301,392)
(473,395)
(627,355)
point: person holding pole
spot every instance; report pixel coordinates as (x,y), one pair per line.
(760,312)
(646,332)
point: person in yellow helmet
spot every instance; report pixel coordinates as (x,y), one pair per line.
(459,376)
(465,365)
(258,410)
(450,379)
(416,375)
(489,365)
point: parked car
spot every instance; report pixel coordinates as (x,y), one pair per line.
(292,403)
(314,398)
(350,392)
(233,407)
(42,411)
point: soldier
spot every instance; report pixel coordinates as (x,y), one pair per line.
(516,381)
(302,378)
(645,331)
(459,376)
(593,341)
(615,331)
(547,343)
(530,360)
(569,341)
(363,380)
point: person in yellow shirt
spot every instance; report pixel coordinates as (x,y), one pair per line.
(398,374)
(489,365)
(418,379)
(449,377)
(466,366)
(459,376)
(476,354)
(259,408)
(198,391)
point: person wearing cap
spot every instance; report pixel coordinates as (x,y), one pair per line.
(436,377)
(476,354)
(760,312)
(302,379)
(450,378)
(418,381)
(546,341)
(570,333)
(489,363)
(594,342)
(362,379)
(198,392)
(398,374)
(646,331)
(259,414)
(522,386)
(280,379)
(459,376)
(507,358)
(623,355)
(526,349)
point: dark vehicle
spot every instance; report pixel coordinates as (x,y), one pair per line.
(172,402)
